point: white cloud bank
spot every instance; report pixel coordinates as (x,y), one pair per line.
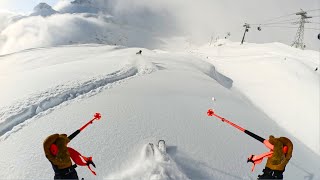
(83,22)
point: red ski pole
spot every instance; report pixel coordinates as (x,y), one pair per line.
(97,116)
(254,159)
(54,147)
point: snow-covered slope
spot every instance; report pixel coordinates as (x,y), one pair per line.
(143,98)
(286,86)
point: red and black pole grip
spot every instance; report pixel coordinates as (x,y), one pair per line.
(74,134)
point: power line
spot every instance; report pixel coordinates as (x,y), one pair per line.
(280,23)
(292,19)
(301,21)
(289,27)
(314,22)
(313,29)
(287,20)
(279,17)
(312,10)
(280,26)
(287,15)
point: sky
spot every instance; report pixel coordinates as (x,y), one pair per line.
(22,5)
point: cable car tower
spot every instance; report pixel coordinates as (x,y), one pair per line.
(298,41)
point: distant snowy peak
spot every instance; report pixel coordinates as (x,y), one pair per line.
(43,9)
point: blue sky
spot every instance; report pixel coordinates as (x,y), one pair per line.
(22,5)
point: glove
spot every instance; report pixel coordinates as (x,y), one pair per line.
(279,160)
(62,158)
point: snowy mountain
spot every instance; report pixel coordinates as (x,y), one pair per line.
(43,9)
(82,2)
(81,6)
(159,95)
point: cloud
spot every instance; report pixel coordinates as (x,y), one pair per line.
(87,23)
(201,19)
(57,29)
(4,4)
(5,18)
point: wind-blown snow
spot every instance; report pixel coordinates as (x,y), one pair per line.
(144,98)
(149,166)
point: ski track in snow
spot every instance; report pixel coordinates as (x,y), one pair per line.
(151,167)
(18,115)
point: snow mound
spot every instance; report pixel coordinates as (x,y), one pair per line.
(43,9)
(151,167)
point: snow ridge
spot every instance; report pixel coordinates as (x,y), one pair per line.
(15,116)
(220,78)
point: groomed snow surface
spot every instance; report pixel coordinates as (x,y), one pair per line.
(266,88)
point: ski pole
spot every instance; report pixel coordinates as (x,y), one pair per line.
(212,113)
(97,116)
(255,136)
(254,159)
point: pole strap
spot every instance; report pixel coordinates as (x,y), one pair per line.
(81,160)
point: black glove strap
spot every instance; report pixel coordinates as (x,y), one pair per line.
(271,174)
(65,171)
